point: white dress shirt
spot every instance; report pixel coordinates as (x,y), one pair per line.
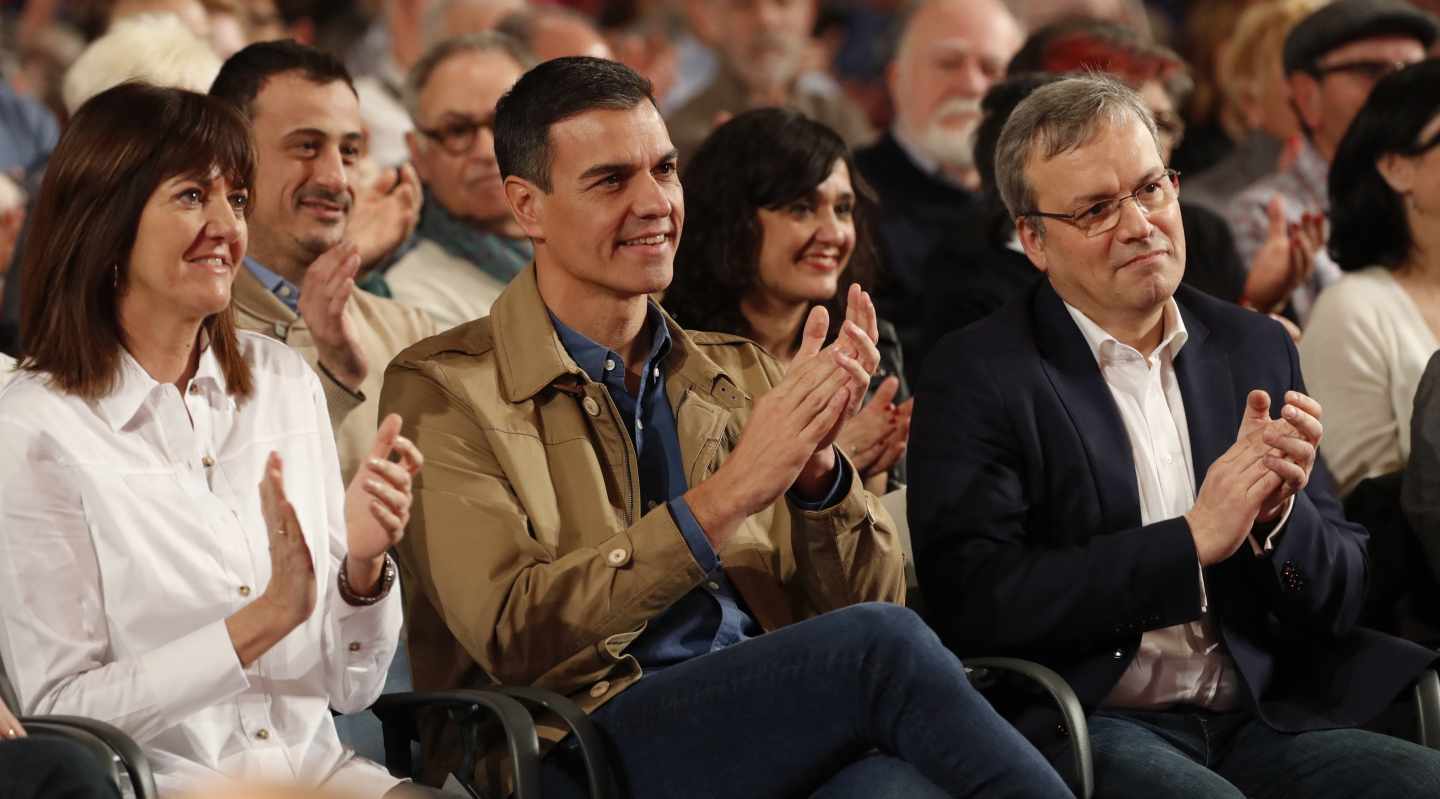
(130,529)
(1185,663)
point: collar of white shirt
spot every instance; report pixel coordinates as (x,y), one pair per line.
(135,385)
(1104,346)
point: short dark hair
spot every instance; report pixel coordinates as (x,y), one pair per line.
(115,152)
(1367,217)
(766,158)
(244,74)
(553,92)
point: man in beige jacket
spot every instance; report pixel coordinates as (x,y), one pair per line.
(299,282)
(657,522)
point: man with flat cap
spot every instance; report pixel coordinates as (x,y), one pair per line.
(1332,60)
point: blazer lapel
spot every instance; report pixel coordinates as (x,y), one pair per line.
(1212,411)
(1071,369)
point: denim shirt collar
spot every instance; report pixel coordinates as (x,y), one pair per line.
(284,290)
(591,356)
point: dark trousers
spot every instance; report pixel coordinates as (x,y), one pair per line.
(861,702)
(1197,754)
(51,768)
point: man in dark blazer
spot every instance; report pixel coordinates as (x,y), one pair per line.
(1098,484)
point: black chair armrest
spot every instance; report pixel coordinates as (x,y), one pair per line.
(397,714)
(117,744)
(1427,709)
(1083,778)
(587,735)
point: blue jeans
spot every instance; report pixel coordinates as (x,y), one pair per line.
(860,702)
(1189,753)
(51,768)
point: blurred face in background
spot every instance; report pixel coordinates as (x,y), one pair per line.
(950,54)
(763,41)
(453,147)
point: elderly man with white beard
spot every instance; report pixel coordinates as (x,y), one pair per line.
(949,54)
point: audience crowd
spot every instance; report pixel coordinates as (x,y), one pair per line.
(738,370)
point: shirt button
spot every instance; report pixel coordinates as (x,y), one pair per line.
(616,556)
(244,590)
(591,406)
(655,372)
(207,461)
(194,388)
(354,646)
(609,365)
(599,689)
(286,291)
(263,734)
(713,586)
(639,425)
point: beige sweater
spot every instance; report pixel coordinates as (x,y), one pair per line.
(1365,347)
(385,327)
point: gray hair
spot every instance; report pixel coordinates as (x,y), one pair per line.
(1056,118)
(443,51)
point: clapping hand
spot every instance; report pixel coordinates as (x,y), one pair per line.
(377,503)
(324,295)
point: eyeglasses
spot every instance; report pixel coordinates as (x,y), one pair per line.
(1370,70)
(1103,216)
(457,137)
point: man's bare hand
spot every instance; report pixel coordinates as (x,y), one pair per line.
(324,295)
(1295,444)
(1236,486)
(385,213)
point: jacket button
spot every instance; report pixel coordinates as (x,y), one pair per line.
(1118,654)
(1062,731)
(599,689)
(616,556)
(591,406)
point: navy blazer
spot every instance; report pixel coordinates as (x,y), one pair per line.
(1025,514)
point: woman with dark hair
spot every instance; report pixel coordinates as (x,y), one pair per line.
(1372,332)
(178,556)
(777,222)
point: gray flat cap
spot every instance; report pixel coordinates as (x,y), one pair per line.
(1346,21)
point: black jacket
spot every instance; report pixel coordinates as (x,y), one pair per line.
(1025,514)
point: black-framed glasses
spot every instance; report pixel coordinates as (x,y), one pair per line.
(457,136)
(1102,216)
(1370,69)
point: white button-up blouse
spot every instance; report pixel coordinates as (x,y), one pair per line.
(130,529)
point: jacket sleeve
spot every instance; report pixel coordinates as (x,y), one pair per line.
(522,611)
(1318,567)
(848,552)
(994,579)
(1420,494)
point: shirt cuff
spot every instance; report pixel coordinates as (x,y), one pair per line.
(694,535)
(1275,531)
(838,489)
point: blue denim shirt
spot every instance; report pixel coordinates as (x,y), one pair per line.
(713,615)
(284,290)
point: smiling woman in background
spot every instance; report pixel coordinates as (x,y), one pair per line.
(775,225)
(178,556)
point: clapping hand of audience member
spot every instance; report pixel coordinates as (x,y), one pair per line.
(377,503)
(1287,258)
(877,436)
(324,295)
(1295,442)
(291,591)
(788,439)
(1238,486)
(385,213)
(10,727)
